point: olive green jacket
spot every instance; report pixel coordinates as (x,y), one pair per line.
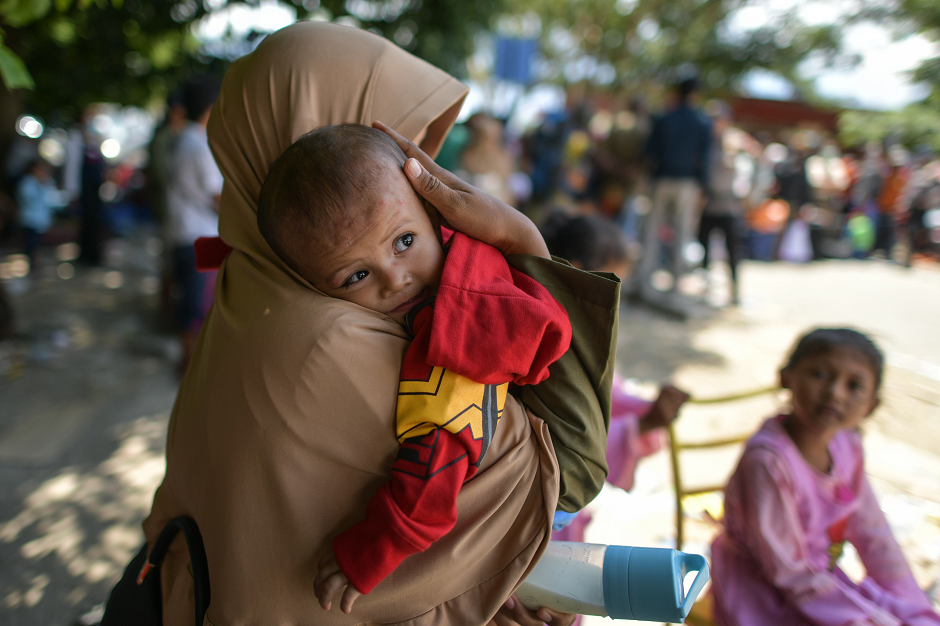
(575,399)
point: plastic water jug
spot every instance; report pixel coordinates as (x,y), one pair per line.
(622,582)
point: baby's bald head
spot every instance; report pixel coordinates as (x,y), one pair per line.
(321,185)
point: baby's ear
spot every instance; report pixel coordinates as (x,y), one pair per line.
(874,405)
(435,218)
(785,375)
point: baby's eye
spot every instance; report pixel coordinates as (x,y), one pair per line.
(355,278)
(404,242)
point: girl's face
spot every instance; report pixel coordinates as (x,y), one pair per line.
(832,391)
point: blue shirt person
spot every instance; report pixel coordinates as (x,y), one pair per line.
(38,199)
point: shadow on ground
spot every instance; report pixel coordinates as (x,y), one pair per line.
(86,390)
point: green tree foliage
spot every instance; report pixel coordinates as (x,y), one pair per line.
(126,51)
(915,126)
(134,51)
(631,43)
(924,17)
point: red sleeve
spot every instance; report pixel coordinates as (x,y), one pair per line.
(408,513)
(210,252)
(492,323)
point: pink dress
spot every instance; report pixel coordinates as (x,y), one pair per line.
(625,447)
(784,526)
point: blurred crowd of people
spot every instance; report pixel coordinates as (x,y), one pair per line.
(668,182)
(672,180)
(174,191)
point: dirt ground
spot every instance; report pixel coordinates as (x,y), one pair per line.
(87,386)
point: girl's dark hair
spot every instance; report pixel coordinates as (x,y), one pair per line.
(822,340)
(591,242)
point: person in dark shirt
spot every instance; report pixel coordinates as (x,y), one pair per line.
(677,152)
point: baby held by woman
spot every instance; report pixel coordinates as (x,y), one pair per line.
(338,208)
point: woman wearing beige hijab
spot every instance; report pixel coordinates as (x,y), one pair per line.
(284,423)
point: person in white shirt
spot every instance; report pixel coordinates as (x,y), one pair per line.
(194,185)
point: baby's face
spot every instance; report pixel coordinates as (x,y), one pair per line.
(386,257)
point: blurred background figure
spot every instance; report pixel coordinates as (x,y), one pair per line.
(867,180)
(485,162)
(890,199)
(38,199)
(91,205)
(924,194)
(618,162)
(194,186)
(160,151)
(792,186)
(545,152)
(678,151)
(723,208)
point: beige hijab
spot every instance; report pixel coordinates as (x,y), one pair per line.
(284,423)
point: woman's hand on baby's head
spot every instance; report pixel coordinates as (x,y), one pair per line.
(465,208)
(330,580)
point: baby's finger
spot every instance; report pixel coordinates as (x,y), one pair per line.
(328,588)
(325,569)
(555,618)
(349,598)
(522,615)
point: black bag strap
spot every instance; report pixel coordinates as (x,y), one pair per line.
(197,557)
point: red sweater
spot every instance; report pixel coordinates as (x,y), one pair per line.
(488,326)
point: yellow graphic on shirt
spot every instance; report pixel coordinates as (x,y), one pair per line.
(449,401)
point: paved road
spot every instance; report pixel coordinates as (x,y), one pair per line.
(86,390)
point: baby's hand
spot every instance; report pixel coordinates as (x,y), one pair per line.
(330,579)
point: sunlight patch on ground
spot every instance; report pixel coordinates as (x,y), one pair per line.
(90,521)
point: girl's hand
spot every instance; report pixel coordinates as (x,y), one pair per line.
(465,208)
(330,580)
(513,613)
(665,410)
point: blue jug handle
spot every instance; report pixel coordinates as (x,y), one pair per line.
(691,563)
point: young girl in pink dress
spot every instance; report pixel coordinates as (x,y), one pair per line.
(800,492)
